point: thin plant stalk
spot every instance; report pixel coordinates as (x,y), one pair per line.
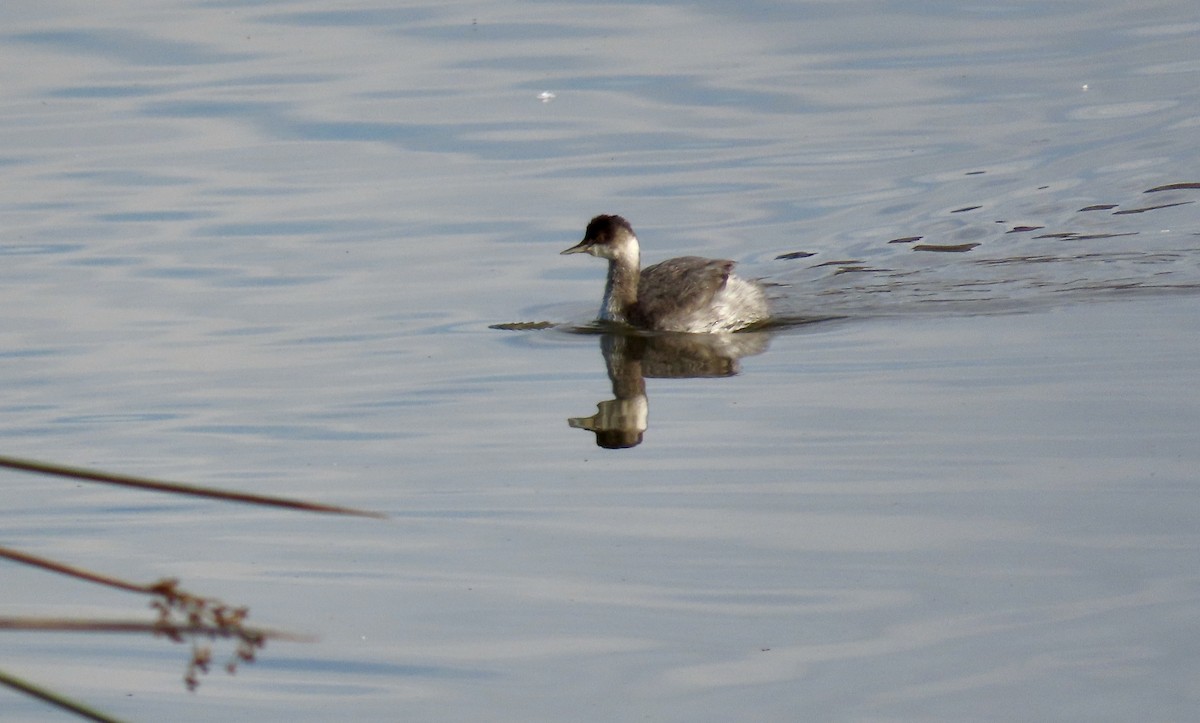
(124,480)
(56,699)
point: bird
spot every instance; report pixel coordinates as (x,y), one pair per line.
(686,294)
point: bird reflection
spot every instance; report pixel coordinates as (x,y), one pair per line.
(631,357)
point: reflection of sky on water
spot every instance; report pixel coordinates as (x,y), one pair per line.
(259,246)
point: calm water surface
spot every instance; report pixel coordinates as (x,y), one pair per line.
(260,246)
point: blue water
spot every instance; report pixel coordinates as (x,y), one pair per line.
(261,246)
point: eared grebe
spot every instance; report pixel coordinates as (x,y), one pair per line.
(688,293)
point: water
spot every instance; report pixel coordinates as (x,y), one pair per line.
(260,246)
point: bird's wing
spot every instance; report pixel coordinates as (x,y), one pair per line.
(680,286)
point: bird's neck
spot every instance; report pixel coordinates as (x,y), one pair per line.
(621,287)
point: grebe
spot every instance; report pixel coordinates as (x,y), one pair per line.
(688,293)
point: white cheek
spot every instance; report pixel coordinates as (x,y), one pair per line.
(624,252)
